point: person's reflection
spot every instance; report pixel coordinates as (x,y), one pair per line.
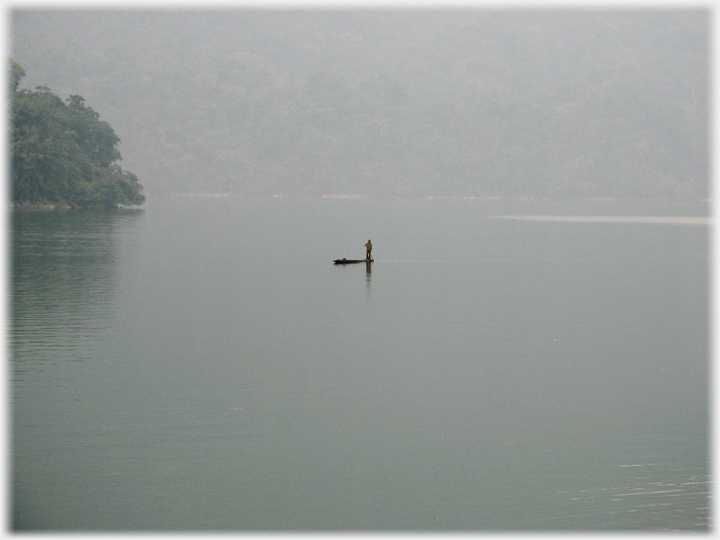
(368,275)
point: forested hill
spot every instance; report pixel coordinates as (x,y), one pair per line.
(61,153)
(416,103)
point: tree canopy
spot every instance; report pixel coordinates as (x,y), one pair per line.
(61,152)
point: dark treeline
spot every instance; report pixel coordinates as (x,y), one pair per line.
(470,103)
(62,153)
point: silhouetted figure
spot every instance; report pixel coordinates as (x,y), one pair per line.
(368,252)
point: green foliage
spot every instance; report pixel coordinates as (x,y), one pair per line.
(17,72)
(63,153)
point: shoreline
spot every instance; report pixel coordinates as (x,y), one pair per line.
(428,197)
(47,206)
(64,206)
(57,207)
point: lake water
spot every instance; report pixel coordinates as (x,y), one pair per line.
(201,365)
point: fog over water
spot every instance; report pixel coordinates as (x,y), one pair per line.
(204,366)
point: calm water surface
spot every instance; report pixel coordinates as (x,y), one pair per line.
(202,365)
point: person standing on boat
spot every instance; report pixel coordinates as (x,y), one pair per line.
(368,252)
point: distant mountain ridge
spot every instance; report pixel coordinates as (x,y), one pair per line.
(486,103)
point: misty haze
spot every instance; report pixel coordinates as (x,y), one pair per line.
(525,349)
(416,103)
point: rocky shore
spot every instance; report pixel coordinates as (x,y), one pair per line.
(25,205)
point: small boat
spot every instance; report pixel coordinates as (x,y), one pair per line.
(350,261)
